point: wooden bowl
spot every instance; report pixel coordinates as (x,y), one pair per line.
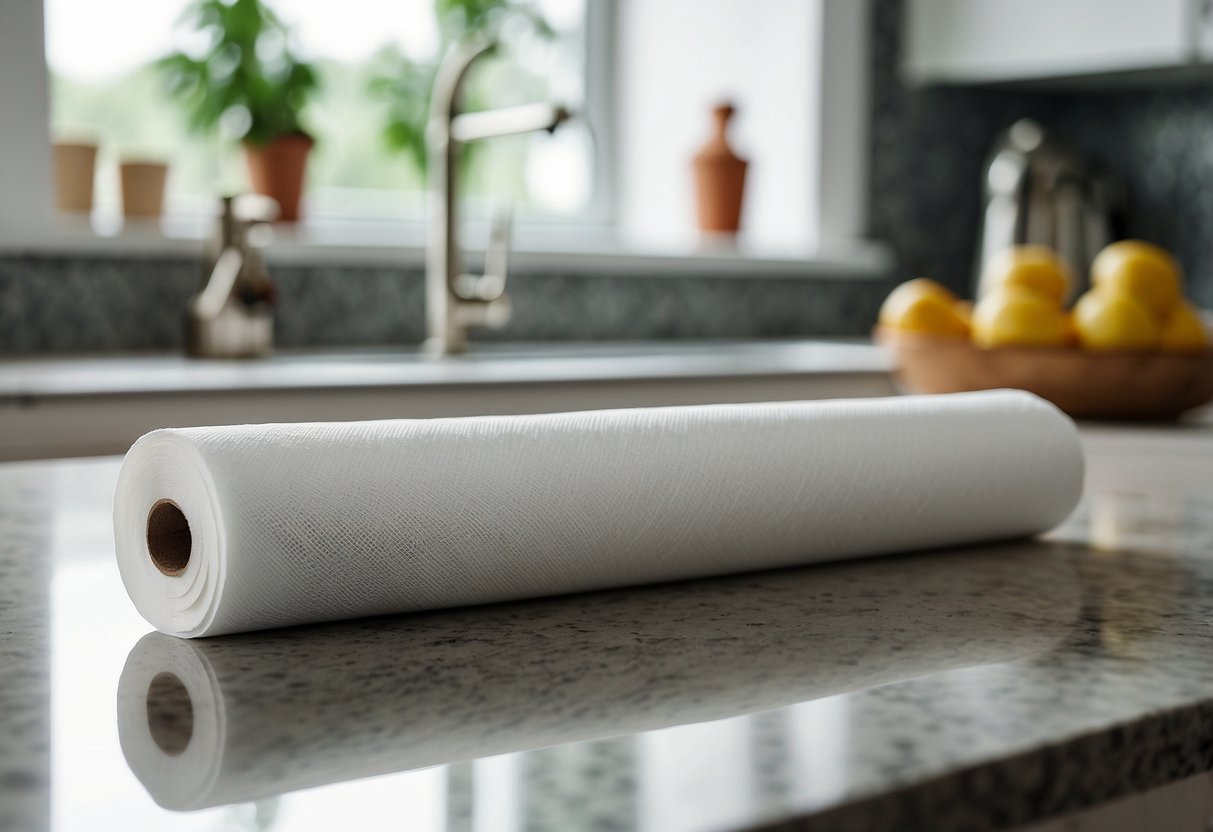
(1126,385)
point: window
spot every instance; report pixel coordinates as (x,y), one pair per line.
(105,89)
(645,72)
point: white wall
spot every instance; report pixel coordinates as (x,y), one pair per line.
(675,59)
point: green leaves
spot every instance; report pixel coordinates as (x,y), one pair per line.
(404,85)
(246,78)
(246,75)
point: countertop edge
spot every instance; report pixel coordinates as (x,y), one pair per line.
(1032,786)
(74,378)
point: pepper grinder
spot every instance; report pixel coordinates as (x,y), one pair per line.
(719,179)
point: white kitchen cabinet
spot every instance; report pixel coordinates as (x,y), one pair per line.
(1015,41)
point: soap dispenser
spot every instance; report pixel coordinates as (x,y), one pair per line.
(233,315)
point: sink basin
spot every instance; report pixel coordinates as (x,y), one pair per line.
(87,406)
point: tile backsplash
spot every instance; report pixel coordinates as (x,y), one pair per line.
(81,304)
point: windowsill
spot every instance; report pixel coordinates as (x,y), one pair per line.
(537,248)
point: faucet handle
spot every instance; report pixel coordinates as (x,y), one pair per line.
(497,254)
(489,286)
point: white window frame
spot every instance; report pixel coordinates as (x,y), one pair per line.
(26,195)
(29,222)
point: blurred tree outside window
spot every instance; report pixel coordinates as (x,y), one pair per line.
(375,60)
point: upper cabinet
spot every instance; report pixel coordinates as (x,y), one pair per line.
(1040,41)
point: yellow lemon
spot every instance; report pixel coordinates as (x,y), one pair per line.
(1032,267)
(1017,317)
(925,307)
(1184,331)
(1144,271)
(1108,321)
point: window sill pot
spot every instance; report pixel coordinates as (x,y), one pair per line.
(75,168)
(142,188)
(277,170)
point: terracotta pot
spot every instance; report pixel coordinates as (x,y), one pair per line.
(277,170)
(719,179)
(142,188)
(75,167)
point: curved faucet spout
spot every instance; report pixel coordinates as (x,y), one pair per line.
(450,307)
(450,76)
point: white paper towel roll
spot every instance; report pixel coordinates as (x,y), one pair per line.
(227,529)
(226,720)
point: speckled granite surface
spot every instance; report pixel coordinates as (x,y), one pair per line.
(25,653)
(973,689)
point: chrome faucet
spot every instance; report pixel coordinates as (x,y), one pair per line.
(455,301)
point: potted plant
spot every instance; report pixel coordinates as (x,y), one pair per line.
(247,76)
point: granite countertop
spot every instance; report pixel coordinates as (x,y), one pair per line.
(964,689)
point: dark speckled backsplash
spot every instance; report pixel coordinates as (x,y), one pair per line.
(78,304)
(928,150)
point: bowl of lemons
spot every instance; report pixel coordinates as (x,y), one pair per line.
(1130,348)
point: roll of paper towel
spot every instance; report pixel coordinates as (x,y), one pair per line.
(225,720)
(226,529)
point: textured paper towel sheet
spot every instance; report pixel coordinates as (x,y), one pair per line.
(298,523)
(238,718)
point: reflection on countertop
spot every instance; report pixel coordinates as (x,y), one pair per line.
(961,689)
(231,719)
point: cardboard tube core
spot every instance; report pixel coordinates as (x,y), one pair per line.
(168,537)
(170,714)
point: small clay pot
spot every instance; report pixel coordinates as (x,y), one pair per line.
(277,170)
(719,179)
(75,168)
(142,188)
